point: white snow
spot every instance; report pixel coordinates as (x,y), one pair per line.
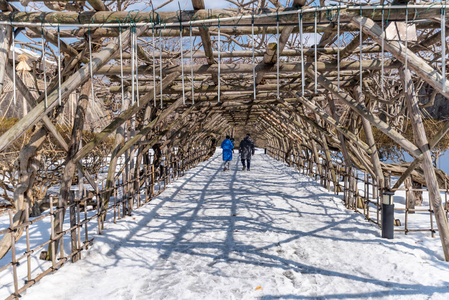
(268,233)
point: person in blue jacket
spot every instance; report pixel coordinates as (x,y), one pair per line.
(227,147)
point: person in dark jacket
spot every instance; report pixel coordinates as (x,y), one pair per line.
(227,147)
(246,150)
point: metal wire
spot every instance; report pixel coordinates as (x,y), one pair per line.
(277,58)
(133,64)
(191,65)
(383,53)
(254,63)
(14,67)
(338,50)
(43,67)
(160,66)
(154,69)
(91,69)
(59,68)
(316,55)
(361,54)
(443,46)
(406,49)
(219,59)
(302,52)
(121,67)
(182,67)
(137,69)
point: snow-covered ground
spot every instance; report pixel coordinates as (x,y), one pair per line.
(268,233)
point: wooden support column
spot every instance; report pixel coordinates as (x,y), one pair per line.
(69,170)
(5,39)
(370,140)
(373,119)
(205,39)
(26,94)
(427,165)
(270,55)
(341,129)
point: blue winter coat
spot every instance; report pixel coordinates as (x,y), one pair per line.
(227,147)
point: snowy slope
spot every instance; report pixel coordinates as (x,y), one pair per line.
(268,233)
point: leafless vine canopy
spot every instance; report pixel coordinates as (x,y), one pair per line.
(84,83)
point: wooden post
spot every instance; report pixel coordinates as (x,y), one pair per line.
(427,165)
(370,139)
(5,38)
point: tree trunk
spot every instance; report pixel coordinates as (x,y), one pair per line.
(70,165)
(27,164)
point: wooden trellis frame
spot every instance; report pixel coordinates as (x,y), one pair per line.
(264,97)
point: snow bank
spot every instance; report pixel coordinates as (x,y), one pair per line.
(268,233)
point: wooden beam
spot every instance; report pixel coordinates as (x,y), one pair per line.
(370,140)
(398,50)
(172,17)
(67,87)
(373,119)
(292,67)
(326,117)
(145,130)
(427,165)
(5,38)
(123,117)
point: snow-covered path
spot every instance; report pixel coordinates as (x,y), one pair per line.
(268,233)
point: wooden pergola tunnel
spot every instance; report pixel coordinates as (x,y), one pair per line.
(146,95)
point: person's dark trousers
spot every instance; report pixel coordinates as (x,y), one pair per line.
(248,163)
